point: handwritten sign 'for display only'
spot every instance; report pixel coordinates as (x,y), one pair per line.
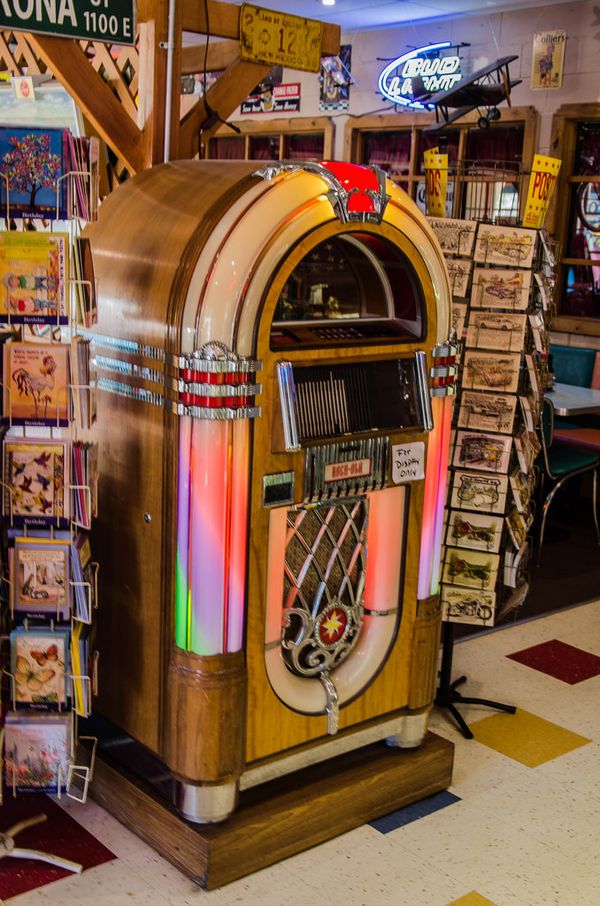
(408,462)
(111,21)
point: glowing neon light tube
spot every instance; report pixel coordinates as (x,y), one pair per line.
(209,501)
(182,596)
(446,404)
(238,534)
(436,471)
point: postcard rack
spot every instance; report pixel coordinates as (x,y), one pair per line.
(49,470)
(502,279)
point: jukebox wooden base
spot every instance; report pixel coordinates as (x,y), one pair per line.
(280,818)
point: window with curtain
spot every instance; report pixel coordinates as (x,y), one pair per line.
(264,147)
(390,151)
(227,148)
(305,146)
(580,266)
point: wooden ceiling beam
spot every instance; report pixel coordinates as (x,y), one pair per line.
(71,67)
(223,97)
(219,56)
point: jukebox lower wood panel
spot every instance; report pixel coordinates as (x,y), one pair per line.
(267,369)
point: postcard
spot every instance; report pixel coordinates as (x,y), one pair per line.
(487,411)
(545,286)
(33,277)
(482,493)
(465,605)
(472,568)
(500,288)
(39,666)
(459,271)
(534,375)
(458,318)
(489,371)
(85,283)
(504,245)
(518,524)
(35,474)
(488,452)
(37,751)
(504,331)
(475,531)
(456,237)
(527,446)
(538,332)
(32,163)
(522,486)
(549,256)
(515,566)
(36,388)
(41,578)
(530,407)
(81,670)
(515,600)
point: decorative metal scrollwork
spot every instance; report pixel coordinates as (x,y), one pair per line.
(324,581)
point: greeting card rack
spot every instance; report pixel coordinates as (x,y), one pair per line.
(502,279)
(48,188)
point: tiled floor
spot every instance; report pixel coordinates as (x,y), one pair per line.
(520,828)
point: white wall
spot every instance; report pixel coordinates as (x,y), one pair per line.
(490,37)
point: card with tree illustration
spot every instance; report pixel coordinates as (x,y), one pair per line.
(32,167)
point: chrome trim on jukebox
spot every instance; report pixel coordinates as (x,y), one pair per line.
(338,195)
(322,484)
(222,414)
(287,397)
(121,366)
(206,804)
(132,346)
(216,390)
(129,390)
(423,388)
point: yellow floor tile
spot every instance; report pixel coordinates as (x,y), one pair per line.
(472,899)
(525,737)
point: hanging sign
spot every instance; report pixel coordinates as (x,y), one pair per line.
(436,176)
(267,36)
(276,99)
(541,185)
(109,21)
(437,72)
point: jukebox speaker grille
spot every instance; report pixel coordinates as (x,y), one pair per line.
(325,562)
(320,402)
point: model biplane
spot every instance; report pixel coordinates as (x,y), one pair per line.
(482,91)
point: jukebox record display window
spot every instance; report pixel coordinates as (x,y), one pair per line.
(352,288)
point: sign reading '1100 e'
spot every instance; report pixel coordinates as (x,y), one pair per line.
(111,21)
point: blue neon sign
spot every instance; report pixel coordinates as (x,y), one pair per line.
(438,74)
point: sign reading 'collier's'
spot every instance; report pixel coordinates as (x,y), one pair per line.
(437,71)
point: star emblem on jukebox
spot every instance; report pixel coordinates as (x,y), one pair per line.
(332,626)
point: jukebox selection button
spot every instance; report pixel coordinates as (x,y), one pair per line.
(278,489)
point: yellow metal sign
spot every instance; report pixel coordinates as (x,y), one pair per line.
(267,36)
(543,178)
(436,175)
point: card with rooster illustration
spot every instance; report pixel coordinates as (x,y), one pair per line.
(36,384)
(39,666)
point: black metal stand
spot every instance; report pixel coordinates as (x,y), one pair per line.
(447,694)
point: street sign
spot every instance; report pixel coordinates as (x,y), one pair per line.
(110,21)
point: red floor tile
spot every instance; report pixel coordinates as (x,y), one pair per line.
(60,835)
(560,660)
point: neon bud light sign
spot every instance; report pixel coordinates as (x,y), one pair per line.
(438,74)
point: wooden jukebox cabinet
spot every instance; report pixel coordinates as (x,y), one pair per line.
(275,384)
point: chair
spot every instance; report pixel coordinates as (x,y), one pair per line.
(561,462)
(572,364)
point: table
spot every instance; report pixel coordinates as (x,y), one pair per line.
(568,399)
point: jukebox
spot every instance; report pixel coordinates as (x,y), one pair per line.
(274,421)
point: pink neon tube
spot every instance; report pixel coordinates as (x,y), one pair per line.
(238,534)
(208,535)
(435,494)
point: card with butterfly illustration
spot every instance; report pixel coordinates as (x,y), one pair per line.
(39,666)
(41,578)
(35,474)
